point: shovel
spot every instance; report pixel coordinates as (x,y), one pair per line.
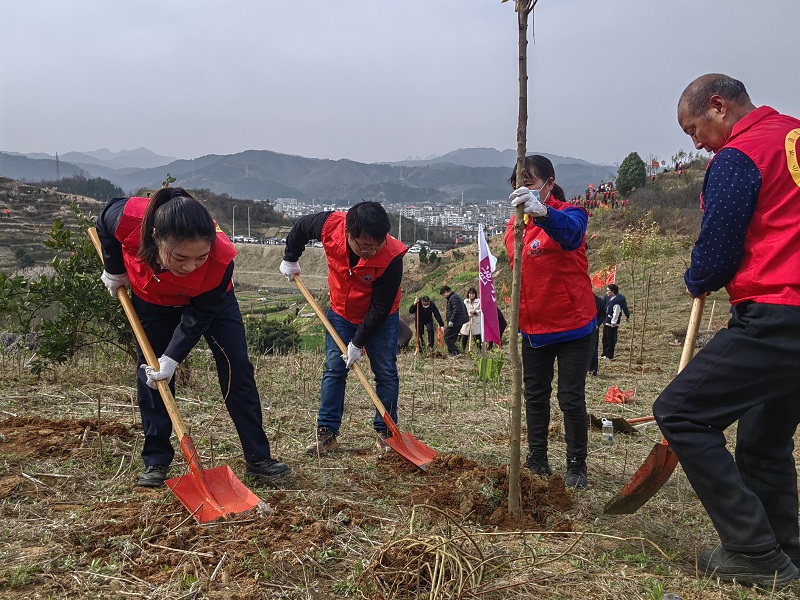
(661,461)
(207,494)
(405,444)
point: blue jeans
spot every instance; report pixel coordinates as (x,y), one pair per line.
(382,352)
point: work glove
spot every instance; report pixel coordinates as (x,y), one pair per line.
(449,323)
(353,355)
(529,200)
(114,282)
(166,369)
(289,269)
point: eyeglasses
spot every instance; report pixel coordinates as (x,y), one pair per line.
(370,248)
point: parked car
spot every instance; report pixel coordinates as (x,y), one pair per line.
(317,244)
(414,249)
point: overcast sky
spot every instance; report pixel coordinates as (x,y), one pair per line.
(375,80)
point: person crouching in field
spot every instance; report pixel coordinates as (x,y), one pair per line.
(365,267)
(179,265)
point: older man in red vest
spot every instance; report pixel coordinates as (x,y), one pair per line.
(749,243)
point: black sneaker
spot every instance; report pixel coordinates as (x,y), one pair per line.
(153,476)
(773,567)
(381,435)
(267,470)
(576,474)
(324,441)
(538,464)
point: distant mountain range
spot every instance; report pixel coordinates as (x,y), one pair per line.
(477,173)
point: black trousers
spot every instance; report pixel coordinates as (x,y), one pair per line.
(225,337)
(747,373)
(610,335)
(426,328)
(591,363)
(537,372)
(450,337)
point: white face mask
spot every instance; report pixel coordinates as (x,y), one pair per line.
(536,193)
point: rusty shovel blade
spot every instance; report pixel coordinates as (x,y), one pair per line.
(219,493)
(647,480)
(410,448)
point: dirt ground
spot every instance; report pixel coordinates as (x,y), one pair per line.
(150,535)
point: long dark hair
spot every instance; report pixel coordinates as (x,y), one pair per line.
(540,167)
(173,216)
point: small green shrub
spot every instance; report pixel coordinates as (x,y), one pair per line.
(268,336)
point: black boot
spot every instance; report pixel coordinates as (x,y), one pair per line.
(538,464)
(267,470)
(576,474)
(153,476)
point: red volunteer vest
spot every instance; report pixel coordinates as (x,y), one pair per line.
(770,268)
(351,289)
(166,289)
(556,292)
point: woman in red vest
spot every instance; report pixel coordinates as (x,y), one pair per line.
(557,315)
(179,267)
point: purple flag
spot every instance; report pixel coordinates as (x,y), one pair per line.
(490,326)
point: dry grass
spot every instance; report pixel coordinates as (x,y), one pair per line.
(74,525)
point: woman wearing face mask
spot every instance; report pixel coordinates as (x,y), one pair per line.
(178,265)
(556,315)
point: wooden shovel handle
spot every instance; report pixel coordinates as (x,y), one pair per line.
(339,342)
(691,331)
(147,349)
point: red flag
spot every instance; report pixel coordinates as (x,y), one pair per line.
(654,164)
(490,327)
(439,335)
(604,277)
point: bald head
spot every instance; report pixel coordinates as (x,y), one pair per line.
(697,95)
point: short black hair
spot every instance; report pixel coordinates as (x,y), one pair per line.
(444,288)
(368,219)
(426,298)
(613,287)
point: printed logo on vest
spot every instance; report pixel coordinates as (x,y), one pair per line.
(534,250)
(367,278)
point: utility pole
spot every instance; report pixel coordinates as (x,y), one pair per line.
(233,227)
(248,220)
(400,223)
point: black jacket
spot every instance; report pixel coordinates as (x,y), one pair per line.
(426,315)
(456,312)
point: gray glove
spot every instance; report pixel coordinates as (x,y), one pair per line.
(529,200)
(166,369)
(114,282)
(353,355)
(289,269)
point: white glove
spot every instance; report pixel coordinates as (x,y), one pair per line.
(353,355)
(531,204)
(289,269)
(166,369)
(114,282)
(449,323)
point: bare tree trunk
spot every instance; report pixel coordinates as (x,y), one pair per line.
(633,320)
(523,7)
(644,315)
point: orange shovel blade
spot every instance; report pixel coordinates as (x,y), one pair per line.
(227,494)
(410,448)
(653,473)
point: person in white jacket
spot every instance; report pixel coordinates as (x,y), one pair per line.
(473,326)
